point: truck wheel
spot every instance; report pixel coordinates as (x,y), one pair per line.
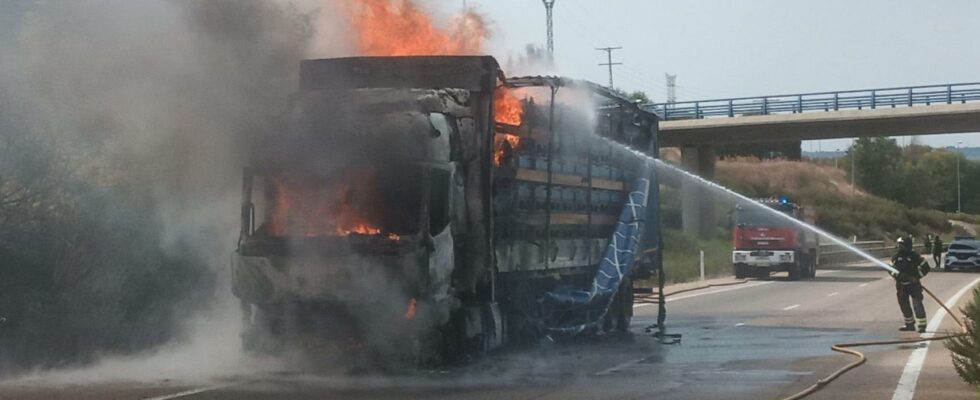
(813,265)
(626,301)
(794,271)
(620,313)
(262,331)
(739,272)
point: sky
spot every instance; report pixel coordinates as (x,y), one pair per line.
(721,49)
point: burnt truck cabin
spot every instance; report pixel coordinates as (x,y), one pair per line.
(398,166)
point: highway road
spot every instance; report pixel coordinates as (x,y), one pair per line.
(757,340)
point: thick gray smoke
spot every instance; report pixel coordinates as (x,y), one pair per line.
(123,130)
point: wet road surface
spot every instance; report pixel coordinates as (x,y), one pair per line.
(758,340)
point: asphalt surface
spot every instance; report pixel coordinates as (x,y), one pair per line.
(757,340)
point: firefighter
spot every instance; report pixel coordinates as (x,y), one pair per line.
(911,268)
(937,251)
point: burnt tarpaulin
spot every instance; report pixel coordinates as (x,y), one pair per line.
(569,309)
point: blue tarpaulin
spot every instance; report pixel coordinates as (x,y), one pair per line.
(573,310)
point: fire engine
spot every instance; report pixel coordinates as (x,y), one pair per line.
(763,242)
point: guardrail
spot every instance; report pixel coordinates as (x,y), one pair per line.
(820,102)
(834,255)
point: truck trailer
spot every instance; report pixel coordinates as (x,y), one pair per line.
(431,205)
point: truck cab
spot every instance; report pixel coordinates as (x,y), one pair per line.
(764,242)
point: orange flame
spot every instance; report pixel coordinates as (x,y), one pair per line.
(501,151)
(410,311)
(507,108)
(402,28)
(302,210)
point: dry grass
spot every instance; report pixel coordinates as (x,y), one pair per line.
(749,175)
(826,189)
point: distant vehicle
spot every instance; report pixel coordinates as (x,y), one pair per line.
(963,254)
(763,242)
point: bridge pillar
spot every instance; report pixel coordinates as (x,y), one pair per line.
(697,202)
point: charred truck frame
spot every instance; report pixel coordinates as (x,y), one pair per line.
(393,206)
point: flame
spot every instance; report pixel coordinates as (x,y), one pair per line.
(410,310)
(302,210)
(501,152)
(362,228)
(402,28)
(507,108)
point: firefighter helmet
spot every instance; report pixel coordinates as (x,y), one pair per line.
(904,243)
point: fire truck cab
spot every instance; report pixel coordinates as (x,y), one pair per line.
(763,242)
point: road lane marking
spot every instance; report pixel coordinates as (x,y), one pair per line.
(832,294)
(617,368)
(863,284)
(910,375)
(186,393)
(791,307)
(740,324)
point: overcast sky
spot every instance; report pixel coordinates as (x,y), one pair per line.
(724,49)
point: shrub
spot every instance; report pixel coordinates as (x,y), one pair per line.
(966,349)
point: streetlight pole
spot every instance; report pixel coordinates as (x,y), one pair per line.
(959,204)
(852,168)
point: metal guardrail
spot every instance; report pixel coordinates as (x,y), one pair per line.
(835,255)
(819,102)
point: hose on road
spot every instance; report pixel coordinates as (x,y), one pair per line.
(847,348)
(653,300)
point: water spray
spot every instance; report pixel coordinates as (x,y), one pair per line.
(756,204)
(847,348)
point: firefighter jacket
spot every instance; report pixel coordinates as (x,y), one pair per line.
(911,266)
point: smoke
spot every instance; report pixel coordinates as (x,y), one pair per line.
(124,129)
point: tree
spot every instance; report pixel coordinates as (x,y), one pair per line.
(966,349)
(639,96)
(876,162)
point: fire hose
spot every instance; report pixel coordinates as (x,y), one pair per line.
(847,348)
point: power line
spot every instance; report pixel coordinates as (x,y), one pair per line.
(549,5)
(609,63)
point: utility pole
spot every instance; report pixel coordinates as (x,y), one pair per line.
(609,63)
(548,6)
(958,155)
(671,87)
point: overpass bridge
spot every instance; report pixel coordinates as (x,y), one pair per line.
(695,126)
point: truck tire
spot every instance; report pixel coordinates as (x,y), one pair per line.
(620,313)
(795,271)
(262,331)
(813,264)
(739,271)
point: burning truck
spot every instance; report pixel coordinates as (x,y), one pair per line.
(417,204)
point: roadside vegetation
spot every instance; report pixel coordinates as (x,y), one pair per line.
(966,349)
(909,190)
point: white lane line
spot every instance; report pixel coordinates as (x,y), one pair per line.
(832,294)
(790,307)
(619,367)
(186,393)
(863,284)
(910,375)
(740,324)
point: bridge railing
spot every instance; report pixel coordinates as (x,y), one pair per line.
(823,101)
